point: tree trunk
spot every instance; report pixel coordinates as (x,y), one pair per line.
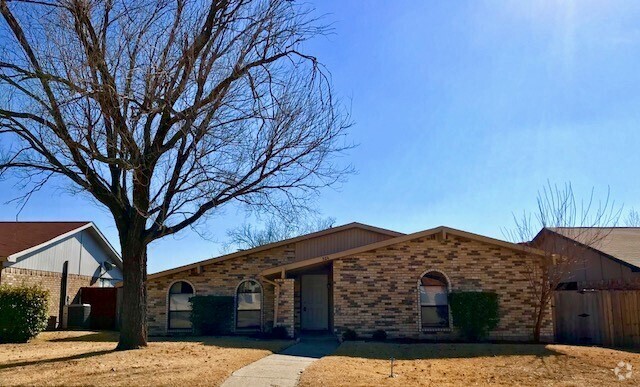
(540,318)
(133,327)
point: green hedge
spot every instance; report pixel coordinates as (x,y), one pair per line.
(474,313)
(212,315)
(24,311)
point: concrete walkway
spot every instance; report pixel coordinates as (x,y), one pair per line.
(282,369)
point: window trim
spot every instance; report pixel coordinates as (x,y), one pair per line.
(168,306)
(235,307)
(419,304)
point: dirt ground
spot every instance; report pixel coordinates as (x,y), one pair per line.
(367,364)
(88,358)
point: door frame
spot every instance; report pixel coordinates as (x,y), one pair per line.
(328,302)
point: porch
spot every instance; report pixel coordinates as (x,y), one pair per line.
(303,302)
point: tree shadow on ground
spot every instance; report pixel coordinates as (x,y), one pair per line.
(387,350)
(55,360)
(239,342)
(98,336)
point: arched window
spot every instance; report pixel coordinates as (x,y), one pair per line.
(248,305)
(179,305)
(434,304)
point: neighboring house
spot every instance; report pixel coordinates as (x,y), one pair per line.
(62,257)
(601,258)
(355,277)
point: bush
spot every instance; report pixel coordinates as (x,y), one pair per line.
(379,335)
(279,332)
(349,335)
(24,311)
(211,315)
(474,313)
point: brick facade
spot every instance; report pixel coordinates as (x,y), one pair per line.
(286,305)
(50,281)
(221,279)
(372,290)
(379,289)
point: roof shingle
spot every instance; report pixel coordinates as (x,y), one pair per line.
(19,236)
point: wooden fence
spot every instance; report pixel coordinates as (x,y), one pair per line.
(602,317)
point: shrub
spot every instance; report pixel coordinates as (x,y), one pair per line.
(474,313)
(211,315)
(24,311)
(379,335)
(349,335)
(279,332)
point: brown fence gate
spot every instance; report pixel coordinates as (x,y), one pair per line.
(599,317)
(103,306)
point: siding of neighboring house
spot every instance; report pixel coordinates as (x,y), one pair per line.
(379,289)
(589,268)
(81,250)
(44,267)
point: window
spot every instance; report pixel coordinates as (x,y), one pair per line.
(179,305)
(434,305)
(249,305)
(567,286)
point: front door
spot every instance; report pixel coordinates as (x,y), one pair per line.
(314,298)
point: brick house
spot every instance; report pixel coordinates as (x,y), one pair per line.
(358,277)
(62,257)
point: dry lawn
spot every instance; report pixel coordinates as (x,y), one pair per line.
(88,358)
(367,364)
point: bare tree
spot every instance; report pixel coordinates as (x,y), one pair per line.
(633,218)
(248,236)
(165,110)
(578,225)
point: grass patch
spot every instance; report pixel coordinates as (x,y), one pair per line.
(367,364)
(89,359)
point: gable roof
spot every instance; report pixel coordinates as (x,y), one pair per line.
(20,238)
(621,244)
(242,253)
(400,239)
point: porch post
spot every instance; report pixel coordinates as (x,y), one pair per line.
(285,304)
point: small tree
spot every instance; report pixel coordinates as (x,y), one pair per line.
(632,219)
(165,111)
(579,225)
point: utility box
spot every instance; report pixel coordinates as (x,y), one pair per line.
(76,316)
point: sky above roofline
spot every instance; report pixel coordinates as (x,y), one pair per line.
(462,111)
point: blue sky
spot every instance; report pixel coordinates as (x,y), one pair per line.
(462,111)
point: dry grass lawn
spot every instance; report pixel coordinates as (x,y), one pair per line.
(88,358)
(367,364)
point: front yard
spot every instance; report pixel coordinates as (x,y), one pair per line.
(367,364)
(88,358)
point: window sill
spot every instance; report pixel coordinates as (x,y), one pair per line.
(433,330)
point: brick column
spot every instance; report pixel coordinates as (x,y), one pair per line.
(285,305)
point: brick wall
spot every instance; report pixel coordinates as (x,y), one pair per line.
(285,301)
(50,281)
(379,289)
(220,278)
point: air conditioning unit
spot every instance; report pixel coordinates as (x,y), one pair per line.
(76,316)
